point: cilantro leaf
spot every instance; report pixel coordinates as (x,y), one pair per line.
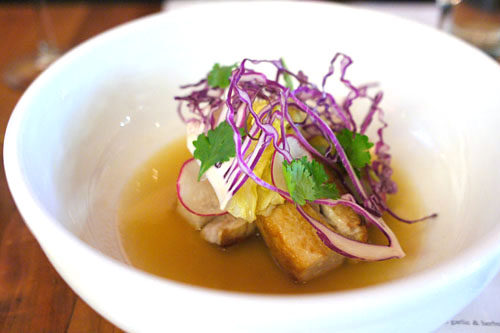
(327,191)
(299,181)
(215,147)
(356,147)
(306,181)
(286,76)
(243,133)
(219,76)
(317,171)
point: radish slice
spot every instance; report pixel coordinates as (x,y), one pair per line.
(198,197)
(297,150)
(352,248)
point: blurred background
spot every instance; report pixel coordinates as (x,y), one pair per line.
(47,21)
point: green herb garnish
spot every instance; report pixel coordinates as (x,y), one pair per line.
(356,147)
(306,181)
(219,76)
(286,76)
(215,147)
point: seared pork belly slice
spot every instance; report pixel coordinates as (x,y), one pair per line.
(226,230)
(345,221)
(196,221)
(294,244)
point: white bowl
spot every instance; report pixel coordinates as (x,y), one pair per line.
(81,129)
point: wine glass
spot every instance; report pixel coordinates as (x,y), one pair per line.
(22,71)
(445,7)
(475,21)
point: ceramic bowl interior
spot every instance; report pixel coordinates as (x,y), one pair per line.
(84,126)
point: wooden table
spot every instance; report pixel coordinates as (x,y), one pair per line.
(33,297)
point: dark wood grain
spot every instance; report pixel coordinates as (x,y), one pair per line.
(33,297)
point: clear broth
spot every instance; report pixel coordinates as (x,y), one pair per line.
(157,240)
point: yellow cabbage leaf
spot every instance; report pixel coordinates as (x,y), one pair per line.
(251,199)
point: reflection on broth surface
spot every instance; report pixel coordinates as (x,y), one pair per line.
(156,239)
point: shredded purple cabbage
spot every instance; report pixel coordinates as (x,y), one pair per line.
(320,114)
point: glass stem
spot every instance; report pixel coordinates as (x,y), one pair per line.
(445,7)
(46,37)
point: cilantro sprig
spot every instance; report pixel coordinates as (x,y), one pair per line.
(219,76)
(286,76)
(307,181)
(356,147)
(215,147)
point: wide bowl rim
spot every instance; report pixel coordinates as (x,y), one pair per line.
(433,278)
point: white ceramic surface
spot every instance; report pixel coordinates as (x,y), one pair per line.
(85,124)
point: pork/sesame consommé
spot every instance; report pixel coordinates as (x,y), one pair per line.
(156,239)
